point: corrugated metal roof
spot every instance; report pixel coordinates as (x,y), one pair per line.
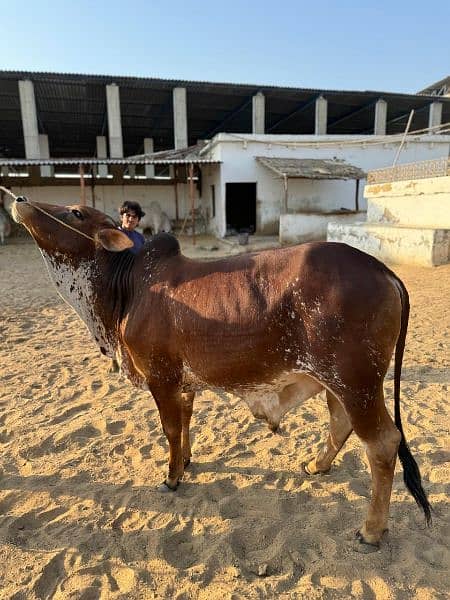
(139,81)
(144,160)
(311,168)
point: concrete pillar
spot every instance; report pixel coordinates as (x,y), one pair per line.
(180,118)
(435,117)
(46,170)
(379,127)
(258,113)
(114,121)
(148,149)
(102,152)
(321,116)
(132,171)
(29,119)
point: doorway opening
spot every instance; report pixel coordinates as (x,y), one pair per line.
(240,207)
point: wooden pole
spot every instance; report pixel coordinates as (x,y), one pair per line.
(82,186)
(191,192)
(176,193)
(357,196)
(93,185)
(403,138)
(285,199)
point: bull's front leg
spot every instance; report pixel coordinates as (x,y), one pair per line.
(187,407)
(168,400)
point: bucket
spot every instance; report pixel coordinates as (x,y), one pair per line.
(243,238)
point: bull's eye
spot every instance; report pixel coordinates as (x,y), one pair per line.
(77,213)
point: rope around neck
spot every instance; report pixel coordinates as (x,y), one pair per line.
(49,215)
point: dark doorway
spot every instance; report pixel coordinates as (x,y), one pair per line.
(241,207)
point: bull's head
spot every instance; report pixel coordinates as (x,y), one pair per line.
(74,231)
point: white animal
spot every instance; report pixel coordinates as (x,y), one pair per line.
(155,219)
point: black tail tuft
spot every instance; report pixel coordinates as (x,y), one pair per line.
(411,473)
(412,479)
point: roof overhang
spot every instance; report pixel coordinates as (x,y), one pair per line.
(36,162)
(311,168)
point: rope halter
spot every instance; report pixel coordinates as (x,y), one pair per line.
(16,198)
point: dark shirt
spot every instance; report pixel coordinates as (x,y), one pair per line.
(137,238)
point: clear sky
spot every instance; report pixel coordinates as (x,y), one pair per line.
(399,46)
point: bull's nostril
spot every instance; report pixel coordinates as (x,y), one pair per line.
(21,199)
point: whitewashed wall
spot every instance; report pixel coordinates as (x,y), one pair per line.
(415,203)
(314,195)
(108,198)
(210,177)
(308,227)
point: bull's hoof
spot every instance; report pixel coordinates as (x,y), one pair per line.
(364,547)
(164,488)
(308,470)
(113,366)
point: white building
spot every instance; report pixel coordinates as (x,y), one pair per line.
(243,193)
(244,183)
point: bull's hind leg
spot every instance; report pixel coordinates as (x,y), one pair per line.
(374,426)
(340,429)
(186,414)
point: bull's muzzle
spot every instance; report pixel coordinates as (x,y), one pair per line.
(15,211)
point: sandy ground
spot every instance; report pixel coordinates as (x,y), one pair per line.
(81,453)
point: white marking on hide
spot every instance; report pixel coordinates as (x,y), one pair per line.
(75,287)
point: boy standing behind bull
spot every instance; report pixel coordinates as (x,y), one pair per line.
(130,214)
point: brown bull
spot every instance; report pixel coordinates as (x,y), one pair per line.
(274,328)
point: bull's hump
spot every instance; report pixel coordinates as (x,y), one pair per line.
(163,245)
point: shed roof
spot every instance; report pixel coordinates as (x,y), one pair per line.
(311,168)
(167,157)
(191,154)
(72,111)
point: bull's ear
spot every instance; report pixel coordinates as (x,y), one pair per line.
(113,240)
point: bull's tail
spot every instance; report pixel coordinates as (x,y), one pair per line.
(411,473)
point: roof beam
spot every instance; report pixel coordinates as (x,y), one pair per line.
(352,113)
(401,117)
(298,109)
(228,118)
(406,115)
